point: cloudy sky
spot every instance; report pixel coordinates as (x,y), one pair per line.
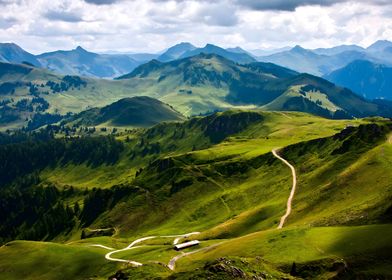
(152,25)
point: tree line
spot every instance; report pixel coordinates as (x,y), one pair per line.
(20,159)
(33,212)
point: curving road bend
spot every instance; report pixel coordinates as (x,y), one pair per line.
(132,246)
(290,200)
(172,262)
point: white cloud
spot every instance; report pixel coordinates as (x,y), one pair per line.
(152,25)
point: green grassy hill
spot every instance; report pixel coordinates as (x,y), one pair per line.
(45,260)
(319,252)
(141,111)
(314,95)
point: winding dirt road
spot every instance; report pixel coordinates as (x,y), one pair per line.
(131,246)
(173,261)
(289,201)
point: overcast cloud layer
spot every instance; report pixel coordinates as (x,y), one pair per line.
(152,25)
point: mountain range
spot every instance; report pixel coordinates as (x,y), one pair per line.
(84,63)
(194,85)
(319,62)
(224,83)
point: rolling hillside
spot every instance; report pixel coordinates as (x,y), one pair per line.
(215,175)
(141,111)
(366,78)
(27,91)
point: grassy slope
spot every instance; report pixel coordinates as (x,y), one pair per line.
(44,260)
(302,245)
(294,91)
(351,188)
(238,203)
(238,188)
(277,130)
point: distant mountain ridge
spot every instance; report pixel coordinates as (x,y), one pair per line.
(12,53)
(318,62)
(321,61)
(379,46)
(369,79)
(338,49)
(235,56)
(81,62)
(176,52)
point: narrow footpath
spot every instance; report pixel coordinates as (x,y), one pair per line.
(290,200)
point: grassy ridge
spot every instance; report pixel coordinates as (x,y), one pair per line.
(277,129)
(344,181)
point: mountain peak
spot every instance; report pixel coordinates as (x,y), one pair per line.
(185,44)
(176,51)
(298,49)
(236,50)
(380,45)
(80,49)
(10,45)
(12,53)
(211,46)
(382,42)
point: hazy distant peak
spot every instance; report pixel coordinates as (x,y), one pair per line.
(380,45)
(80,49)
(299,49)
